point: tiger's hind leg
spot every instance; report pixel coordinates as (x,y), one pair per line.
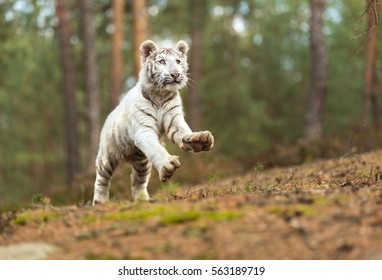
(105,169)
(140,175)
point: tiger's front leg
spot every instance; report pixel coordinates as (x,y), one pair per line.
(179,132)
(148,142)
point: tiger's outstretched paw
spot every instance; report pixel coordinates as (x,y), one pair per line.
(168,169)
(198,141)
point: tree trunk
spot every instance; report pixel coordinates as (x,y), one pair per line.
(68,84)
(371,81)
(319,56)
(139,31)
(116,57)
(198,11)
(91,80)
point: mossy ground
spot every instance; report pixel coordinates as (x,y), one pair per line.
(322,210)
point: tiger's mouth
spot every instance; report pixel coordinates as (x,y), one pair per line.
(173,82)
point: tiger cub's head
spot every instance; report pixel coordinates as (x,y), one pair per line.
(164,68)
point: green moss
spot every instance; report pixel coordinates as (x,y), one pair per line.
(89,219)
(292,209)
(37,216)
(275,209)
(177,217)
(224,215)
(21,221)
(169,214)
(49,216)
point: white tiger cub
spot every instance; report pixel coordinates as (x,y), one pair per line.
(151,110)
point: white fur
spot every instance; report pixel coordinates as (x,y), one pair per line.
(151,110)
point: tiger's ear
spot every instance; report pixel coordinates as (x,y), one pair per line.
(182,47)
(147,48)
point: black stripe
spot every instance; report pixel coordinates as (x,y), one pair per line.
(152,71)
(113,164)
(149,70)
(173,134)
(172,120)
(147,96)
(146,173)
(146,113)
(102,170)
(103,174)
(140,182)
(142,171)
(122,140)
(102,182)
(142,166)
(141,163)
(114,138)
(138,156)
(99,162)
(172,108)
(149,126)
(108,168)
(170,98)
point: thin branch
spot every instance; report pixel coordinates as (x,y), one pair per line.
(373,6)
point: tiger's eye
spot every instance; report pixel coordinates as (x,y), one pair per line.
(163,62)
(178,61)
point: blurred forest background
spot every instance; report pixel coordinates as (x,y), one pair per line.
(276,81)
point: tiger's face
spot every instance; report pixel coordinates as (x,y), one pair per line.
(165,68)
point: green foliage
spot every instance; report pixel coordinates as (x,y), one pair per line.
(37,198)
(170,187)
(259,166)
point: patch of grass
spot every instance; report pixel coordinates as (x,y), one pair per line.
(250,188)
(176,217)
(37,198)
(40,199)
(20,221)
(259,166)
(268,186)
(89,219)
(226,215)
(36,216)
(212,179)
(170,187)
(160,197)
(292,209)
(180,217)
(143,212)
(168,214)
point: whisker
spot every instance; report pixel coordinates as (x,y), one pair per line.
(189,84)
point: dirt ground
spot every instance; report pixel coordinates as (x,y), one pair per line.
(328,209)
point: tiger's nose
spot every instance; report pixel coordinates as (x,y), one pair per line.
(175,75)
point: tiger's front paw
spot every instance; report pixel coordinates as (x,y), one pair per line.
(198,141)
(168,169)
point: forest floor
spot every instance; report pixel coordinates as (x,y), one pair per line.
(328,209)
